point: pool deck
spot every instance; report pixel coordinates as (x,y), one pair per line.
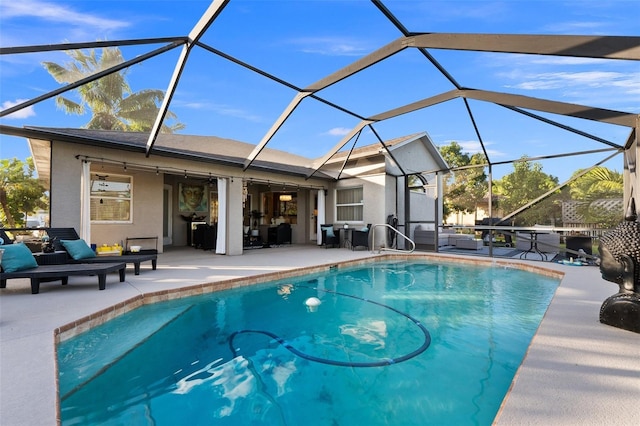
(577,371)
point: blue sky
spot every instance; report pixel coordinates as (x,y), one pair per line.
(303,41)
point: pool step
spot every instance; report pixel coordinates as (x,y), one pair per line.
(89,358)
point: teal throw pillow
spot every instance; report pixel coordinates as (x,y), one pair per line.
(329,231)
(365,229)
(17,257)
(78,249)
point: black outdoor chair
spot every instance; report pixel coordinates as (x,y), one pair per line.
(205,236)
(575,243)
(360,238)
(283,233)
(5,238)
(327,240)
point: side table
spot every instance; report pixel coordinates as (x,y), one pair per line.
(346,237)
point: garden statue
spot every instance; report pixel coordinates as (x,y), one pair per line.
(620,263)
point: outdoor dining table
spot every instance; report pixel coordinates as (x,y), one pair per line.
(533,232)
(533,244)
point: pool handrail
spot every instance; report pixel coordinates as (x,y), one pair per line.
(386,225)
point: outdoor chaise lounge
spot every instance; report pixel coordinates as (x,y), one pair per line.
(70,234)
(425,237)
(18,262)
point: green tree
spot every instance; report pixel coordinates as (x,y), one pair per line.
(525,184)
(114,106)
(597,185)
(20,193)
(464,188)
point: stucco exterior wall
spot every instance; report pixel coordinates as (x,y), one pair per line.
(414,156)
(65,197)
(65,187)
(148,192)
(147,201)
(374,199)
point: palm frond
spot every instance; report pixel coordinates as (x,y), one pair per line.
(69,106)
(60,73)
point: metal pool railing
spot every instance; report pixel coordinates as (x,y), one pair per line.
(382,248)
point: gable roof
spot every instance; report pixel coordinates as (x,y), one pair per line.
(395,148)
(207,149)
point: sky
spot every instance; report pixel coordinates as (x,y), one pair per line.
(300,42)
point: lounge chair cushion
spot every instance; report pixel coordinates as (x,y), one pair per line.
(17,257)
(329,231)
(78,249)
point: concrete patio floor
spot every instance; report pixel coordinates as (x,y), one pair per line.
(576,372)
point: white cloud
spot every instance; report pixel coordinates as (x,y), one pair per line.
(576,27)
(23,113)
(236,112)
(339,131)
(564,60)
(474,147)
(331,46)
(55,12)
(630,83)
(193,105)
(576,80)
(222,109)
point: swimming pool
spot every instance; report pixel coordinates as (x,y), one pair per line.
(184,362)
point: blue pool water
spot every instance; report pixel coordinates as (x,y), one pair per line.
(213,359)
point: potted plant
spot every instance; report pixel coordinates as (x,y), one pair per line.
(255,215)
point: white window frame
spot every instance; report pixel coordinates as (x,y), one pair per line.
(96,196)
(342,219)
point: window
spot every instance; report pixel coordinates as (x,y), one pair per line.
(416,183)
(111,198)
(349,205)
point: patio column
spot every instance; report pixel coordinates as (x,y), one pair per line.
(85,202)
(321,216)
(221,241)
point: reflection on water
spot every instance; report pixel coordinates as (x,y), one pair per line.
(372,332)
(232,378)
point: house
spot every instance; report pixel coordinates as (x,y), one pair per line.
(404,180)
(103,184)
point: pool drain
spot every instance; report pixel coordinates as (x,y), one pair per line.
(380,363)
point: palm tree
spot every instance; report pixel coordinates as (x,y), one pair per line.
(593,190)
(113,104)
(599,182)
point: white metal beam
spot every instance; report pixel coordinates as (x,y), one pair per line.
(274,128)
(212,12)
(321,162)
(609,47)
